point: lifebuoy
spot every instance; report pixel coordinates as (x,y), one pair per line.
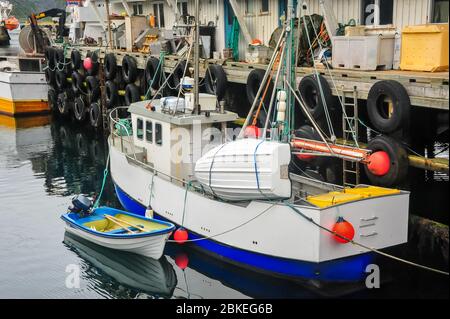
(398,161)
(79,109)
(61,80)
(129,69)
(131,94)
(388,106)
(111,93)
(93,87)
(52,96)
(77,83)
(95,115)
(152,73)
(110,66)
(254,81)
(216,81)
(309,89)
(49,76)
(75,59)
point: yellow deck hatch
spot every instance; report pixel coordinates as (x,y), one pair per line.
(349,195)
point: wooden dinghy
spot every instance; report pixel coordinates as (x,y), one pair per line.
(120,230)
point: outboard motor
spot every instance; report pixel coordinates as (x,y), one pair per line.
(81,205)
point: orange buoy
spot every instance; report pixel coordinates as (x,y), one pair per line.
(252,131)
(343,228)
(11,23)
(379,163)
(182,260)
(181,235)
(87,63)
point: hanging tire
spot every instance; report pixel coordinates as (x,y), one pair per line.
(398,161)
(63,103)
(254,81)
(175,79)
(92,88)
(52,97)
(216,81)
(110,66)
(95,63)
(50,76)
(111,93)
(129,69)
(131,94)
(309,89)
(58,57)
(50,57)
(77,83)
(61,80)
(388,106)
(152,73)
(75,59)
(95,115)
(79,109)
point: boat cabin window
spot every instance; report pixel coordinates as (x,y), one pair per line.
(149,131)
(140,129)
(158,133)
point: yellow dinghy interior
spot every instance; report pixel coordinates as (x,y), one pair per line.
(106,225)
(349,195)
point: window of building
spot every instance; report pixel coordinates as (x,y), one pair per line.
(149,131)
(183,10)
(158,134)
(377,12)
(140,129)
(264,6)
(158,11)
(138,9)
(249,6)
(440,11)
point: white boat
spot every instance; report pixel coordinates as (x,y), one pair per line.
(305,236)
(104,226)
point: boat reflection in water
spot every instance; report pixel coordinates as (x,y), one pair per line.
(141,276)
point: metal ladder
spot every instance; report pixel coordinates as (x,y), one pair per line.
(350,169)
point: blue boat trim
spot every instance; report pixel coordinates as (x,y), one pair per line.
(75,221)
(351,268)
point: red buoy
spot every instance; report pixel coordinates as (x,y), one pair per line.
(181,235)
(252,131)
(379,163)
(87,63)
(182,260)
(345,229)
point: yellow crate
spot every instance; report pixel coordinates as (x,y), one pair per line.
(424,48)
(333,198)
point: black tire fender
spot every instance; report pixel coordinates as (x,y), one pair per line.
(93,87)
(152,73)
(52,96)
(79,109)
(50,57)
(131,94)
(50,76)
(111,94)
(75,59)
(61,80)
(399,163)
(310,133)
(110,66)
(58,58)
(175,79)
(63,103)
(254,81)
(95,115)
(77,83)
(309,90)
(129,69)
(393,116)
(216,81)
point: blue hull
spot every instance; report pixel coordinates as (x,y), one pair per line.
(344,269)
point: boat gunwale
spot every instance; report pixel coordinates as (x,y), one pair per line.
(169,229)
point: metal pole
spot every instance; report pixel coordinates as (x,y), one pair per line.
(196,58)
(109,24)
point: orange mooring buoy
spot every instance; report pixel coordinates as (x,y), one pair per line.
(343,228)
(379,163)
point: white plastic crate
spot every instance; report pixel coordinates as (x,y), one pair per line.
(367,53)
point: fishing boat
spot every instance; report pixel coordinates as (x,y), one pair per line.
(237,198)
(118,229)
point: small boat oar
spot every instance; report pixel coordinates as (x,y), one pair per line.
(141,228)
(119,223)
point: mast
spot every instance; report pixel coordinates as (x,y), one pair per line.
(290,68)
(196,58)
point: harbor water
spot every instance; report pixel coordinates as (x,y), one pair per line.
(44,162)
